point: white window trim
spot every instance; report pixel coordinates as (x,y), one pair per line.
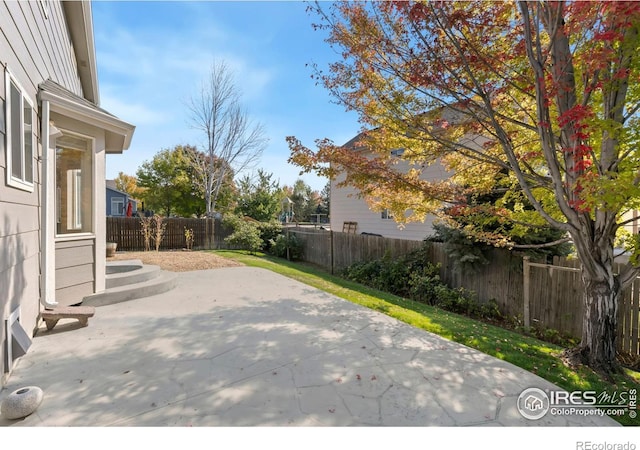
(74,237)
(386,215)
(118,211)
(11,180)
(87,234)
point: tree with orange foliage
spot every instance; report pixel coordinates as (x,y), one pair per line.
(537,100)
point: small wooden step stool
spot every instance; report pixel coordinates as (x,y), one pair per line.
(82,313)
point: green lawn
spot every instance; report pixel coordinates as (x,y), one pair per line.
(529,353)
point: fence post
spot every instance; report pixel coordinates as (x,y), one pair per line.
(526,271)
(288,257)
(331,249)
(208,231)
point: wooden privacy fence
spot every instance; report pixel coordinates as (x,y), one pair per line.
(553,298)
(335,251)
(208,234)
(501,280)
(544,295)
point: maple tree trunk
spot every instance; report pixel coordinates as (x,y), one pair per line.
(598,346)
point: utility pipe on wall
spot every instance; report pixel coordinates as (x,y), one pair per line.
(47,206)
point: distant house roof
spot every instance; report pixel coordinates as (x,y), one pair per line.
(111,185)
(447,113)
(355,143)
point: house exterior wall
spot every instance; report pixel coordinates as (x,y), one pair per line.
(345,206)
(38,47)
(34,46)
(124,197)
(115,195)
(75,270)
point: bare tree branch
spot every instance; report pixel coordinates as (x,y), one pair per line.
(545,245)
(233,142)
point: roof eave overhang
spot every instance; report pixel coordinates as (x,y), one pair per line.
(80,23)
(118,133)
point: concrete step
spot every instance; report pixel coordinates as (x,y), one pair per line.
(163,282)
(123,266)
(132,275)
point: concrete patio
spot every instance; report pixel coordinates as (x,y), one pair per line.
(247,347)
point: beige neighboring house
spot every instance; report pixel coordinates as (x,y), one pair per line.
(352,214)
(633,219)
(53,142)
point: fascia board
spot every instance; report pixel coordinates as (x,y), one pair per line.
(91,116)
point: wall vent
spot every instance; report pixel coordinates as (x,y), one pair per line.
(18,341)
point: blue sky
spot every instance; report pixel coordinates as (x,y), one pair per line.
(152,56)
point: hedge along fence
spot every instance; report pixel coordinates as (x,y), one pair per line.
(553,292)
(501,280)
(208,234)
(335,251)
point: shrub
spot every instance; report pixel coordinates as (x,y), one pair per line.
(408,275)
(422,287)
(188,238)
(490,310)
(393,276)
(145,229)
(363,272)
(245,234)
(282,243)
(158,225)
(380,274)
(447,298)
(414,277)
(269,232)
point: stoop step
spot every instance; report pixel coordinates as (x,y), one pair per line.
(139,275)
(131,280)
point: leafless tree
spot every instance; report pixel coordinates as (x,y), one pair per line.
(233,141)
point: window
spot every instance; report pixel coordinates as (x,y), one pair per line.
(117,206)
(20,136)
(74,184)
(397,152)
(386,214)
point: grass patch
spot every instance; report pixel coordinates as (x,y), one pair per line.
(533,355)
